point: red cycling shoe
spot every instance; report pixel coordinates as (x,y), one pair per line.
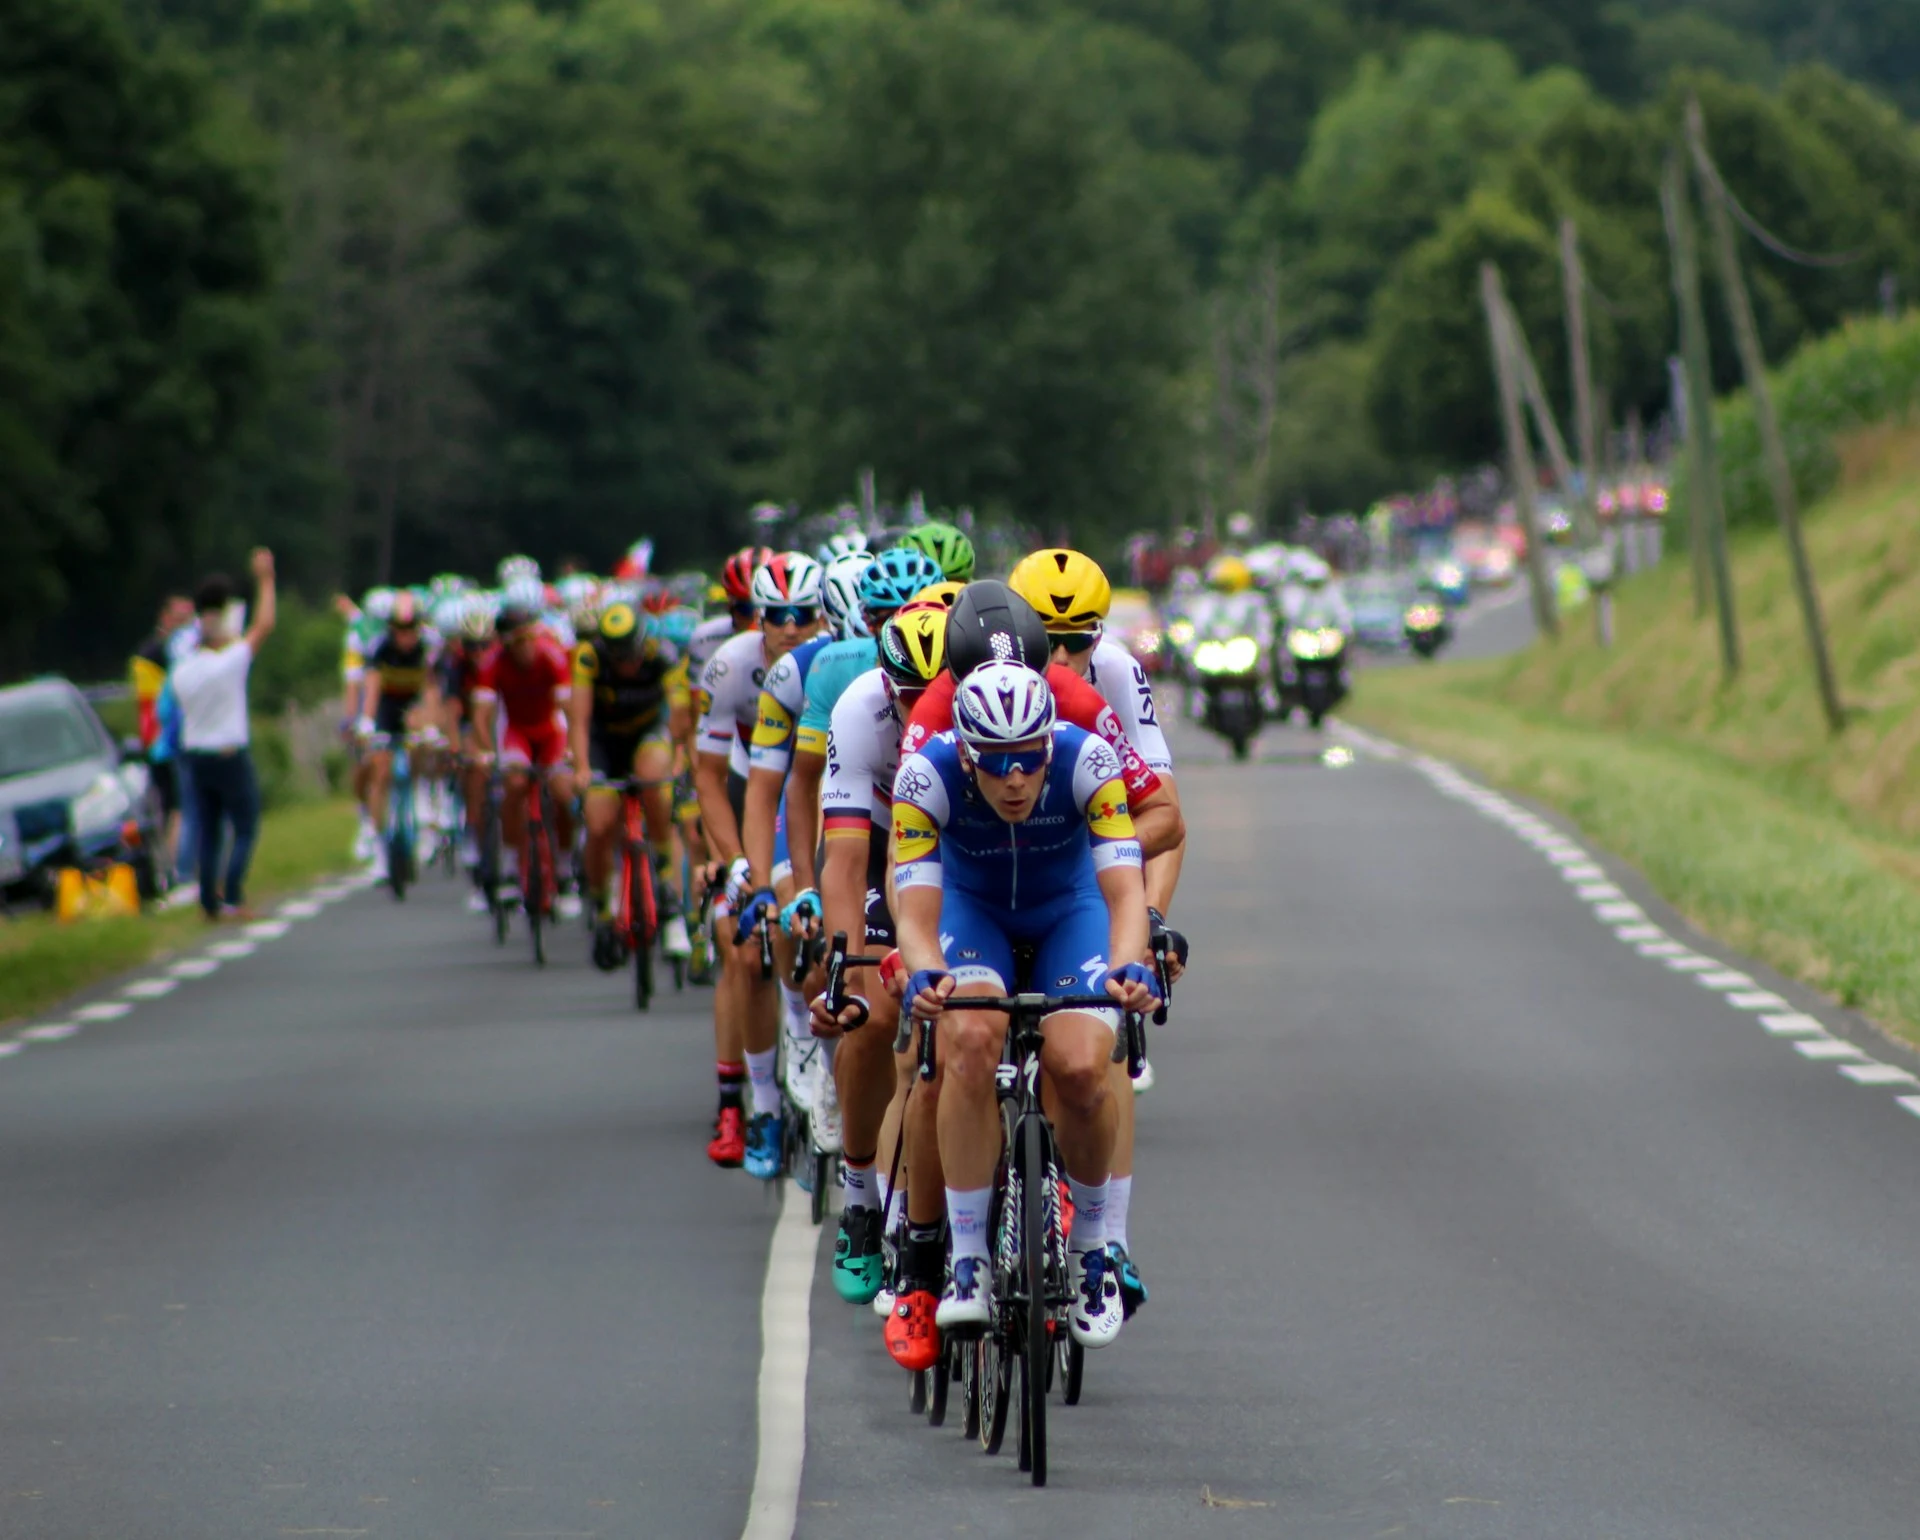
(913,1340)
(729,1144)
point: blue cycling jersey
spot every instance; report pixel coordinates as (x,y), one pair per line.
(946,835)
(834,669)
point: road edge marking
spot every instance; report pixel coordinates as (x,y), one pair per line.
(786,1331)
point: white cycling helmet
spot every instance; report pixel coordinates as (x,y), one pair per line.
(514,569)
(527,593)
(377,606)
(840,592)
(1000,704)
(476,617)
(847,543)
(792,577)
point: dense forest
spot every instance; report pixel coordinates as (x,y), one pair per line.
(397,284)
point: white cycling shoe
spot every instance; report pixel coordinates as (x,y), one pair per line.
(1143,1082)
(967,1300)
(477,902)
(365,841)
(566,906)
(674,940)
(1097,1312)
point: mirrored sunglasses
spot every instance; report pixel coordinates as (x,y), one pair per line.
(1001,763)
(1075,642)
(791,614)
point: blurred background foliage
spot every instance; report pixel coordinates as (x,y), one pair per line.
(394,285)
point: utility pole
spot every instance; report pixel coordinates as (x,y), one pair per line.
(1753,364)
(1586,521)
(1573,277)
(1520,469)
(1706,518)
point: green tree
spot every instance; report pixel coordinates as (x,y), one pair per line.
(134,270)
(982,300)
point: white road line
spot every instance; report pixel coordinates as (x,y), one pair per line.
(1726,978)
(194,967)
(103,1010)
(1827,1048)
(52,1032)
(1756,1000)
(1583,872)
(231,950)
(150,989)
(1911,1103)
(784,1345)
(1792,1024)
(1664,949)
(8,1050)
(300,909)
(1563,855)
(1619,911)
(1691,962)
(269,930)
(1592,892)
(1640,933)
(1876,1073)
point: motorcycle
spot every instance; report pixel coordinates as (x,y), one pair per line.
(1316,671)
(1427,629)
(1228,673)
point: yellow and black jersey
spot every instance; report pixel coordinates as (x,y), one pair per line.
(628,699)
(403,671)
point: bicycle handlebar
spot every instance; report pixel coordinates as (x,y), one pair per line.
(836,994)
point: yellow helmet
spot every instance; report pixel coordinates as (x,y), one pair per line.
(620,626)
(942,594)
(913,647)
(1068,589)
(1230,575)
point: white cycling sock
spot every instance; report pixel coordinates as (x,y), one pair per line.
(1089,1215)
(760,1070)
(1119,1195)
(860,1185)
(896,1202)
(967,1215)
(510,865)
(799,1020)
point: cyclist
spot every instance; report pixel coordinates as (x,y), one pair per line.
(785,592)
(775,863)
(633,705)
(863,754)
(990,622)
(736,583)
(1073,596)
(970,889)
(528,679)
(399,676)
(366,624)
(947,544)
(460,662)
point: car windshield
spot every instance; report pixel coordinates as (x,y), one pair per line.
(41,734)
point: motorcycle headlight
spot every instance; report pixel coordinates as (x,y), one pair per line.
(1241,654)
(1303,643)
(1180,632)
(1210,657)
(101,806)
(1423,617)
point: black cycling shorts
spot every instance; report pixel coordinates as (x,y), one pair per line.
(880,927)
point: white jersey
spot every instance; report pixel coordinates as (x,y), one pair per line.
(708,637)
(863,755)
(1122,683)
(730,686)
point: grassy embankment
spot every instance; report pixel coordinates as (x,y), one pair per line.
(42,960)
(1795,846)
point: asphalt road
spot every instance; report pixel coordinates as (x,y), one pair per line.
(1462,1217)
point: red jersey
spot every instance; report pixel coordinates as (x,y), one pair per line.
(1074,700)
(529,693)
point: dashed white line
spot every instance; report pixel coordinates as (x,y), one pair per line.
(1827,1048)
(300,909)
(1876,1073)
(52,1032)
(150,989)
(231,951)
(269,930)
(1756,1000)
(1911,1103)
(1641,932)
(8,1050)
(1619,911)
(1792,1024)
(1664,949)
(194,967)
(1725,978)
(103,1010)
(1690,962)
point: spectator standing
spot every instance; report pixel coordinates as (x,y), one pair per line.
(173,637)
(210,685)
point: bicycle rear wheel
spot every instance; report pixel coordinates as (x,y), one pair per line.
(538,882)
(640,934)
(1036,1358)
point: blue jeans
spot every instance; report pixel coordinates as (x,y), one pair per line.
(225,792)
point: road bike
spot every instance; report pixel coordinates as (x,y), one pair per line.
(402,832)
(637,918)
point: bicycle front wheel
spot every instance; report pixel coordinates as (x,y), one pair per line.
(640,933)
(1037,1350)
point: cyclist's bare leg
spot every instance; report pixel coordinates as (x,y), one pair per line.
(513,815)
(1120,1085)
(603,822)
(964,1086)
(560,783)
(1077,1059)
(379,763)
(918,1118)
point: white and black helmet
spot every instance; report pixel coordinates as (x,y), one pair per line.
(791,577)
(1001,704)
(840,592)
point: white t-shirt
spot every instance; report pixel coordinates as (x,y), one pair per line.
(211,687)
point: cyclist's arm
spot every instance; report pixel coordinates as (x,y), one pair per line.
(716,812)
(1164,862)
(1157,820)
(803,816)
(580,712)
(1126,900)
(370,692)
(917,884)
(485,704)
(1117,865)
(762,811)
(917,926)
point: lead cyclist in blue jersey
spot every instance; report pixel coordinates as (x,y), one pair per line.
(1013,829)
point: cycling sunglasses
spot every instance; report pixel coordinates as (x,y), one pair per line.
(1001,763)
(1075,642)
(743,609)
(791,614)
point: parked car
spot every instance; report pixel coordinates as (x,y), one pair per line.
(69,795)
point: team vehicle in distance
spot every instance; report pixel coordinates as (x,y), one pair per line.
(1228,672)
(70,796)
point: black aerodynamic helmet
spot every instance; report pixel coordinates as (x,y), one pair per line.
(990,623)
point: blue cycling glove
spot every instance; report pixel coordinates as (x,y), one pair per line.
(763,901)
(925,978)
(1137,973)
(804,906)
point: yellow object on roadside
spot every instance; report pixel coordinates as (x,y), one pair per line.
(86,896)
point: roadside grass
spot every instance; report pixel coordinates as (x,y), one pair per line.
(43,961)
(1799,847)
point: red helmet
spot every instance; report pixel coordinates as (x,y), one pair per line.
(737,576)
(630,568)
(658,599)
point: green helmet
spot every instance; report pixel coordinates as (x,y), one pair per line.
(948,545)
